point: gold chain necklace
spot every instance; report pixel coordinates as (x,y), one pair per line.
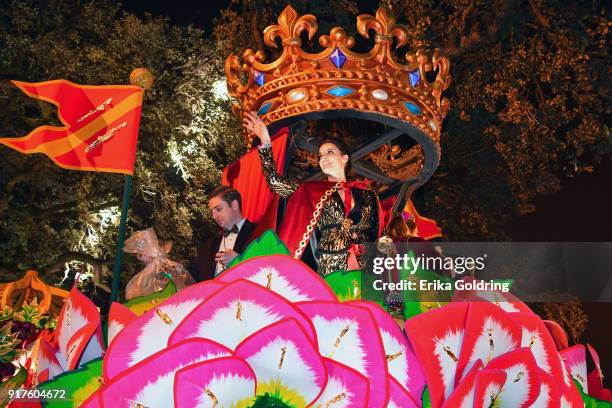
(315,218)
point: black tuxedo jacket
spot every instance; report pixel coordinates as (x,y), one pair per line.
(204,266)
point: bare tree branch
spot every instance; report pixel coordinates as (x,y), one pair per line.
(539,16)
(475,152)
(97,278)
(73,256)
(465,15)
(254,25)
(24,175)
(67,210)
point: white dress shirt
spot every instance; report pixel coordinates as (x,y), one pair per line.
(228,243)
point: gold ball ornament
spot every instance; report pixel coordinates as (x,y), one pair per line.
(142,77)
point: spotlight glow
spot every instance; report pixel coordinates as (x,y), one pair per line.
(219,88)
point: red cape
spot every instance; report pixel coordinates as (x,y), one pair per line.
(246,176)
(300,209)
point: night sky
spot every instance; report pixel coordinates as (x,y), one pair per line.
(581,211)
(198,13)
(202,13)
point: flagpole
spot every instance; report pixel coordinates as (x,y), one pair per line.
(143,78)
(125,206)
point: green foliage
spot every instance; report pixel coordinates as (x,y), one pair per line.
(529,99)
(6,313)
(29,313)
(8,341)
(11,319)
(51,218)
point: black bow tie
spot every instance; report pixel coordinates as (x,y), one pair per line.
(233,230)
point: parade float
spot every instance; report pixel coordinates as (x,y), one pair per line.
(269,331)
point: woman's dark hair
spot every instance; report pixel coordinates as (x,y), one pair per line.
(342,147)
(397,228)
(411,224)
(400,228)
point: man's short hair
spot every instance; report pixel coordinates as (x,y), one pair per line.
(227,194)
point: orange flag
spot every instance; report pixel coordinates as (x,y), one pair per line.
(428,228)
(100,126)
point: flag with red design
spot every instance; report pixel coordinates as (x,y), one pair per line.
(99,128)
(428,228)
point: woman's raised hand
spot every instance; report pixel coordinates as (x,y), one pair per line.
(255,125)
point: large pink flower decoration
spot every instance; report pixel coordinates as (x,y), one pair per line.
(477,354)
(268,331)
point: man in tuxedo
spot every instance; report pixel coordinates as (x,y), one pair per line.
(216,253)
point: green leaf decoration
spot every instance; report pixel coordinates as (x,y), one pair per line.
(29,313)
(6,313)
(47,322)
(347,285)
(267,244)
(354,285)
(78,385)
(270,401)
(420,301)
(8,341)
(425,398)
(13,383)
(591,402)
(141,304)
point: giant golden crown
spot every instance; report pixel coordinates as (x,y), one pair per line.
(337,78)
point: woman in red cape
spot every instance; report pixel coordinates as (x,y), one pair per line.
(338,215)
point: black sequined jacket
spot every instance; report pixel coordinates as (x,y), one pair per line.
(335,233)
